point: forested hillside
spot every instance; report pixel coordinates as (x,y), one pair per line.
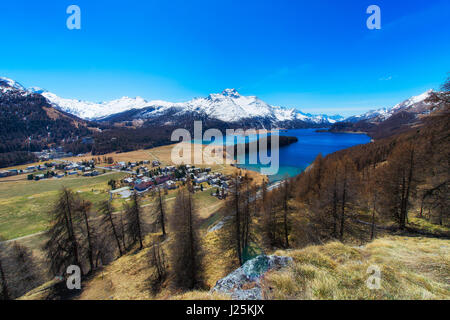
(400,118)
(30,124)
(387,181)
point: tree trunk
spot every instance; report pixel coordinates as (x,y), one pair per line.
(335,214)
(70,230)
(408,188)
(191,241)
(5,293)
(116,236)
(372,227)
(122,227)
(238,222)
(344,191)
(88,230)
(161,213)
(138,221)
(285,209)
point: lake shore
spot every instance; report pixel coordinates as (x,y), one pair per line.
(294,158)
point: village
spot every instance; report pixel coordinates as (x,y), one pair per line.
(142,176)
(56,170)
(145,176)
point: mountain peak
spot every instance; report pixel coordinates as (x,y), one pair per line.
(6,82)
(231,93)
(37,90)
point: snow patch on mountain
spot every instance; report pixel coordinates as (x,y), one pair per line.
(92,110)
(6,82)
(37,90)
(411,101)
(10,86)
(383,114)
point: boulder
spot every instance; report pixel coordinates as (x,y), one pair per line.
(244,283)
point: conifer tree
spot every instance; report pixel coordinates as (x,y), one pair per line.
(185,248)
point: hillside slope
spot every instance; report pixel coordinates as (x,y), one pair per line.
(29,123)
(386,122)
(411,268)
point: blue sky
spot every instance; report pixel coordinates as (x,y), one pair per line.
(317,56)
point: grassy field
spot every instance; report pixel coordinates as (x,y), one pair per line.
(411,268)
(24,205)
(162,154)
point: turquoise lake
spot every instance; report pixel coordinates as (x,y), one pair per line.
(295,157)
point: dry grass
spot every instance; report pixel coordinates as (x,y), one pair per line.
(160,153)
(127,278)
(411,268)
(218,262)
(200,295)
(427,226)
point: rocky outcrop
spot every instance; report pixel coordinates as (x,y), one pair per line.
(244,283)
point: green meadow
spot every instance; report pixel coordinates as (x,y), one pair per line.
(25,205)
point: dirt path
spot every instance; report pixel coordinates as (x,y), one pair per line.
(24,237)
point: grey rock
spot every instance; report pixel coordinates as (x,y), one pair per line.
(249,275)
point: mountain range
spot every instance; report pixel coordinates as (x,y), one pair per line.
(228,106)
(414,104)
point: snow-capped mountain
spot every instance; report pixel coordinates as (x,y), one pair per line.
(385,122)
(382,113)
(92,110)
(228,106)
(414,104)
(11,85)
(28,116)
